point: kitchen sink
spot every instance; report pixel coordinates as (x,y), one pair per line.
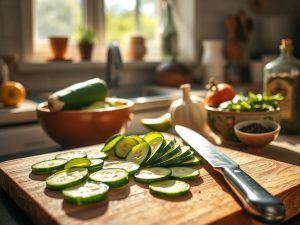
(151,92)
(145,96)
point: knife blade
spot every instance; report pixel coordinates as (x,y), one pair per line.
(259,203)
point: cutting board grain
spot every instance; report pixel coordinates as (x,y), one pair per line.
(210,201)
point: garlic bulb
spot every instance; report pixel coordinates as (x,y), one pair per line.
(188,111)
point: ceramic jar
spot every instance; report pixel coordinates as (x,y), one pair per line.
(4,72)
(213,60)
(136,48)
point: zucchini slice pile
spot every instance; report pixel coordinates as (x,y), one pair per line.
(152,150)
(87,177)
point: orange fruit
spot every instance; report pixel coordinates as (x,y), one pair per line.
(12,93)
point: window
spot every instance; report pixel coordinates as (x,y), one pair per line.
(51,20)
(131,17)
(120,19)
(113,20)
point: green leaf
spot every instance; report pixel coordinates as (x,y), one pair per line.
(252,103)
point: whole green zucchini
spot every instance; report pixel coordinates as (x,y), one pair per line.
(78,95)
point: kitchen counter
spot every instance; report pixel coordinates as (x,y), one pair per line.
(285,149)
(22,124)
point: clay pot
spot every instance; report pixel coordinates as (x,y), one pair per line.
(136,48)
(86,51)
(172,73)
(58,47)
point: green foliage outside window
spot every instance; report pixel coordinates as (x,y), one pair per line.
(119,27)
(58,17)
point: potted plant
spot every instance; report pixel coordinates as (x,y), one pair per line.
(86,39)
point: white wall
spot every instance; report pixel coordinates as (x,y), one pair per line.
(211,14)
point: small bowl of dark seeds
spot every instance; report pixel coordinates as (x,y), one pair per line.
(257,133)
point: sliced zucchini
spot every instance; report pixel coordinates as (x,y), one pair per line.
(138,138)
(156,145)
(47,166)
(67,178)
(124,146)
(71,155)
(85,193)
(139,153)
(169,143)
(151,174)
(96,155)
(130,167)
(151,135)
(178,160)
(111,142)
(184,173)
(182,156)
(112,177)
(96,164)
(195,161)
(169,188)
(162,123)
(169,154)
(106,163)
(96,105)
(78,162)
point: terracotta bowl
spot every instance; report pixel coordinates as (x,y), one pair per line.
(256,142)
(75,128)
(222,122)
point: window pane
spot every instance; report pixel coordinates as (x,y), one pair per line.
(119,18)
(150,16)
(57,17)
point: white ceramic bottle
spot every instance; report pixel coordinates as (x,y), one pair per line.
(213,60)
(4,72)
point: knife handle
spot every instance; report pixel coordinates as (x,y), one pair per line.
(256,200)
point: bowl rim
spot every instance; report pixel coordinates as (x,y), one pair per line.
(238,126)
(217,110)
(43,106)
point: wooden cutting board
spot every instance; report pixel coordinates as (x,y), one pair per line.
(210,201)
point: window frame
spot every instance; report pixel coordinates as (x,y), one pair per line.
(95,18)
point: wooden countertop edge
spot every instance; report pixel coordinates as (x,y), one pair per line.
(285,197)
(15,193)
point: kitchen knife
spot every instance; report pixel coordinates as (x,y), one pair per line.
(256,200)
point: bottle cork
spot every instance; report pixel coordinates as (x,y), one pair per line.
(286,44)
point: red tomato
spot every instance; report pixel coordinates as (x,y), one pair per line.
(219,93)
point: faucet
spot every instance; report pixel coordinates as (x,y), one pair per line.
(113,64)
